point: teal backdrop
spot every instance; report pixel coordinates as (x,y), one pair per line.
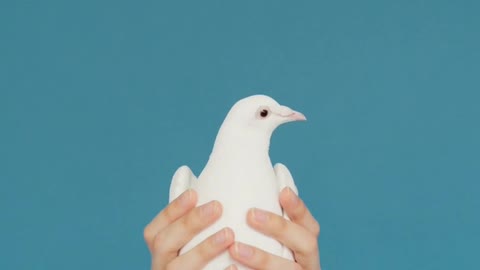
(101,101)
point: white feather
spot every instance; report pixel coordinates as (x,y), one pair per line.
(181,181)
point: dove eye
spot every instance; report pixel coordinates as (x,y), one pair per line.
(263,113)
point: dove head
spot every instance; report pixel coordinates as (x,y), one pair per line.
(261,113)
(252,120)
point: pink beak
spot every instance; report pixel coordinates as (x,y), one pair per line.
(297,116)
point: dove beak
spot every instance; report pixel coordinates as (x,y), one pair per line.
(297,116)
(290,115)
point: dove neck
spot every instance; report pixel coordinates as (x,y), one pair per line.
(230,144)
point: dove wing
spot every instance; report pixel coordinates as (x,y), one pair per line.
(285,179)
(181,181)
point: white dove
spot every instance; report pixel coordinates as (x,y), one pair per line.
(239,174)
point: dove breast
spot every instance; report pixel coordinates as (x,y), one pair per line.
(238,186)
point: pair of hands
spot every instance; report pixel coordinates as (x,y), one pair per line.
(180,221)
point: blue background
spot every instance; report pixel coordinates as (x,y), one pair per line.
(101,101)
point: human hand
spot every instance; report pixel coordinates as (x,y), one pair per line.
(176,225)
(300,235)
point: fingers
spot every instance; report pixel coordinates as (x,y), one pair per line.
(200,255)
(177,208)
(292,235)
(258,259)
(170,240)
(232,267)
(300,240)
(297,211)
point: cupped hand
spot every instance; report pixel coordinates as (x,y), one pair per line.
(300,235)
(176,225)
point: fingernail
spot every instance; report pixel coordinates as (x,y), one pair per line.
(220,237)
(208,209)
(185,198)
(244,250)
(260,215)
